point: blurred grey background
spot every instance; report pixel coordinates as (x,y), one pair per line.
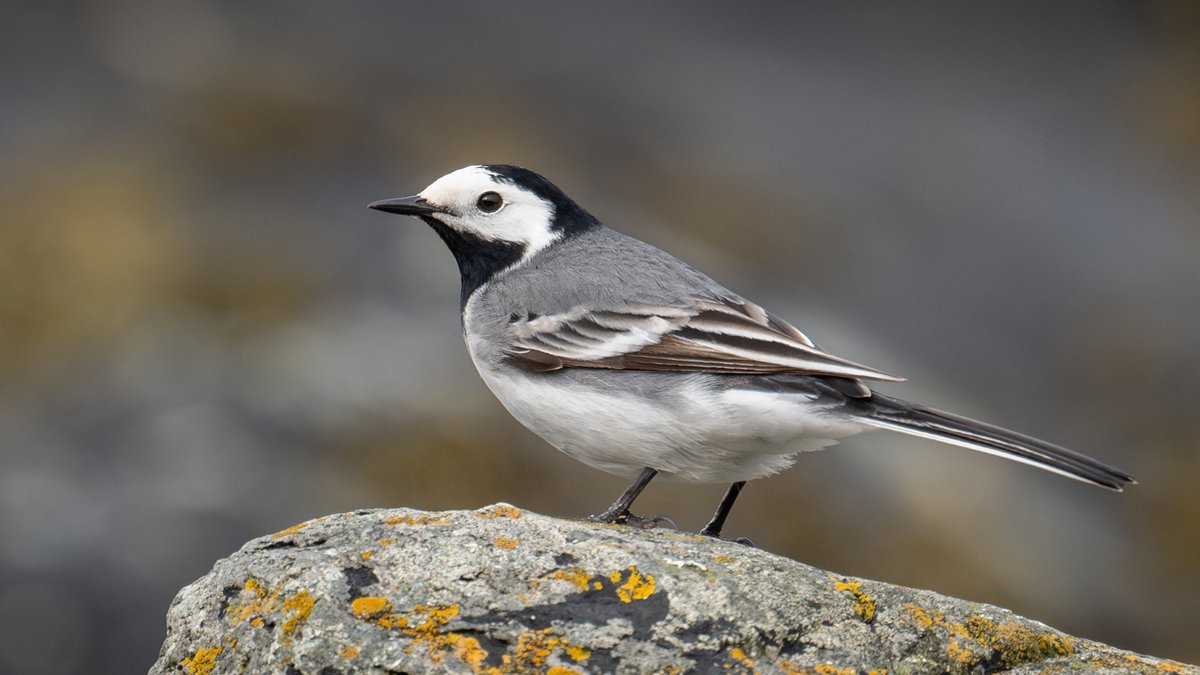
(205,336)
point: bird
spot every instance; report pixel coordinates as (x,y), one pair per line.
(631,361)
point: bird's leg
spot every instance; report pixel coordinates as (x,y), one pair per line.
(713,528)
(619,511)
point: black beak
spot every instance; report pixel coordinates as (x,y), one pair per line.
(407,206)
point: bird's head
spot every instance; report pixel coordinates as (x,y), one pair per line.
(493,217)
(495,203)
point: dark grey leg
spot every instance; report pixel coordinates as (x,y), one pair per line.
(713,528)
(619,511)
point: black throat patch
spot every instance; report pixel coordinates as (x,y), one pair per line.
(478,259)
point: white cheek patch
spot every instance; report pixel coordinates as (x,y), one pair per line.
(528,221)
(524,219)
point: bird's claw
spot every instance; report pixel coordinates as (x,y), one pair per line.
(627,518)
(717,535)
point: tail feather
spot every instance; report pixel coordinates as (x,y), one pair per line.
(890,413)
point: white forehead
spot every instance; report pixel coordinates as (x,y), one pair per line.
(467,182)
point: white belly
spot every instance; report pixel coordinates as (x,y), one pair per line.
(694,432)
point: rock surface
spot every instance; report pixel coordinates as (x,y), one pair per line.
(500,590)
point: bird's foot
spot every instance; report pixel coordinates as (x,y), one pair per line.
(717,535)
(624,517)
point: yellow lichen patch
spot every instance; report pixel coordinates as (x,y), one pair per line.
(534,647)
(471,653)
(1136,663)
(386,542)
(790,668)
(578,578)
(979,638)
(423,519)
(739,655)
(559,670)
(255,603)
(349,652)
(923,617)
(291,530)
(298,607)
(439,616)
(864,605)
(500,511)
(636,587)
(830,669)
(246,609)
(202,662)
(365,555)
(424,626)
(504,543)
(723,559)
(368,606)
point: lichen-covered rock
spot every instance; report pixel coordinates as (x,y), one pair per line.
(500,590)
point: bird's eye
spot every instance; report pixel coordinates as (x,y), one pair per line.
(489,202)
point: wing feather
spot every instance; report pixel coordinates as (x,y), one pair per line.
(723,335)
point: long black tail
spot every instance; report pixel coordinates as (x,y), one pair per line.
(892,413)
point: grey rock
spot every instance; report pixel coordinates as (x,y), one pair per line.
(500,590)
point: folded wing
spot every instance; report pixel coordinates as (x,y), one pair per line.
(721,335)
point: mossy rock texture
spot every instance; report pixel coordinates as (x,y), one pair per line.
(501,590)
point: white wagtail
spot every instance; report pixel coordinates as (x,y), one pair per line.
(632,362)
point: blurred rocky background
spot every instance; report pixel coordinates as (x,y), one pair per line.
(206,336)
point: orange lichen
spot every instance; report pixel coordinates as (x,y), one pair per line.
(1168,667)
(202,662)
(864,605)
(979,638)
(423,519)
(723,559)
(636,587)
(425,628)
(830,669)
(739,655)
(578,578)
(367,606)
(578,653)
(500,511)
(790,668)
(534,647)
(299,607)
(349,652)
(255,603)
(505,543)
(291,530)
